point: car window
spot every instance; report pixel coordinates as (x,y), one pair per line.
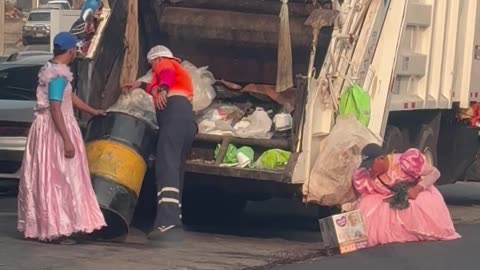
(39,17)
(19,83)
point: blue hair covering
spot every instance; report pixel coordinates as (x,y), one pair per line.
(92,5)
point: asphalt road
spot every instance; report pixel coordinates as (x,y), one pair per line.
(460,254)
(278,234)
(269,232)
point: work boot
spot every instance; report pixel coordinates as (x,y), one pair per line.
(175,234)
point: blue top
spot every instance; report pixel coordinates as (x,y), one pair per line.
(56,87)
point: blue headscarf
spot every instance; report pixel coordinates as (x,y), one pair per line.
(89,5)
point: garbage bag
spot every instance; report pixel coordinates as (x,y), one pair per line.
(230,155)
(330,180)
(147,78)
(257,125)
(219,119)
(241,157)
(137,103)
(273,159)
(356,101)
(203,91)
(223,119)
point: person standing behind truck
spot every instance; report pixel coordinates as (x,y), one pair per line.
(398,199)
(172,92)
(90,7)
(56,198)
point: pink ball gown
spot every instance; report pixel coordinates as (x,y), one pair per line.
(427,218)
(55,197)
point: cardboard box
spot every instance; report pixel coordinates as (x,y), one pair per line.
(344,231)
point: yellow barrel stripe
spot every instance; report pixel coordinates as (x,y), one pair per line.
(116,162)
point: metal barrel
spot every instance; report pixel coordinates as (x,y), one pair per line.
(118,147)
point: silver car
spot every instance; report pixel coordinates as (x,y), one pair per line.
(18,82)
(37,27)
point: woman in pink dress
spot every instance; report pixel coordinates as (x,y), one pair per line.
(398,199)
(55,197)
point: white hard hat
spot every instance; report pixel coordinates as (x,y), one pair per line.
(160,51)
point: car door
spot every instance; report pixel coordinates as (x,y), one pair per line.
(17,100)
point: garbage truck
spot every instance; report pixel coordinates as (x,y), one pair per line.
(418,60)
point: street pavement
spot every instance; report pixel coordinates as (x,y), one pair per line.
(269,232)
(462,254)
(278,234)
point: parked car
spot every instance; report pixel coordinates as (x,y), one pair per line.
(26,54)
(37,27)
(57,4)
(18,82)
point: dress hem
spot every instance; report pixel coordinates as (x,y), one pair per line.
(60,235)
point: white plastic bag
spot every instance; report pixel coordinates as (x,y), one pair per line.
(138,104)
(258,125)
(330,181)
(203,91)
(222,119)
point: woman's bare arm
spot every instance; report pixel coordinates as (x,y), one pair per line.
(58,120)
(82,106)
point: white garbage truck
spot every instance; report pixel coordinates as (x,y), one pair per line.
(419,61)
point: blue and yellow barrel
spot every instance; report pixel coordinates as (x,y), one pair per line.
(118,148)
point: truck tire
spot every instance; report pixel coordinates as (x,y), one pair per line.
(395,140)
(425,142)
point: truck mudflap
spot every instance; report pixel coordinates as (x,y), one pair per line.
(202,158)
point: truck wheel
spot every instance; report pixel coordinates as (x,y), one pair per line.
(395,140)
(426,144)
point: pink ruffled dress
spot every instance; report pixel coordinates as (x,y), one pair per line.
(55,194)
(426,219)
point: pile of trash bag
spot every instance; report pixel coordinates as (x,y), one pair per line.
(228,119)
(243,157)
(202,80)
(330,182)
(138,104)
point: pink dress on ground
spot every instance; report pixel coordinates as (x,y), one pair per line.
(426,219)
(55,195)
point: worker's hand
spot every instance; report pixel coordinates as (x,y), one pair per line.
(414,191)
(160,99)
(127,88)
(99,113)
(69,149)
